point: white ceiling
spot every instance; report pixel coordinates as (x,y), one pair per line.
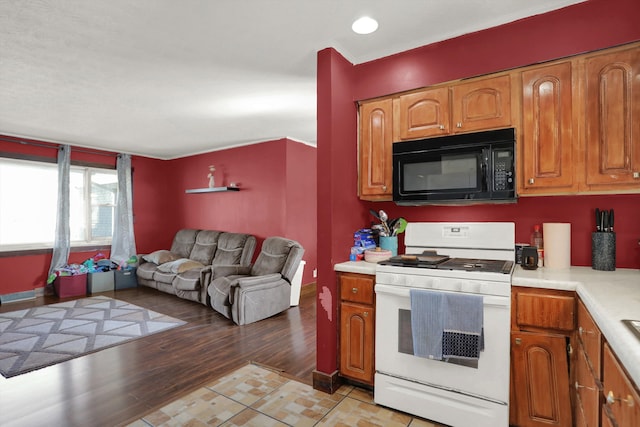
(170,78)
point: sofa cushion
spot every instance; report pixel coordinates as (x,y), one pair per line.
(179,266)
(188,280)
(205,246)
(160,257)
(146,270)
(230,247)
(162,277)
(183,242)
(219,294)
(273,256)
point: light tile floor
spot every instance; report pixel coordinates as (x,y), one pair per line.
(257,396)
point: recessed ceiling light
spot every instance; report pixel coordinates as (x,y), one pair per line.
(364,25)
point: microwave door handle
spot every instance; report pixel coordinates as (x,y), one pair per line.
(484,169)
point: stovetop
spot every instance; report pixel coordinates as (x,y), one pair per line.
(443,262)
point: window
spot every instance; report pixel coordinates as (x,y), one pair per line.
(28,200)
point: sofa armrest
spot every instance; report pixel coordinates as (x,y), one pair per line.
(228,270)
(255,284)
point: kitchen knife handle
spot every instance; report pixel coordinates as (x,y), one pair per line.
(611,220)
(598,220)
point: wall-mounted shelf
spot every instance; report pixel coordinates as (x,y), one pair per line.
(211,190)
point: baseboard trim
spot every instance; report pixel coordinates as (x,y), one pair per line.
(327,383)
(17,296)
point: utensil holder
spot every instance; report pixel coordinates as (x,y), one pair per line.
(603,251)
(390,243)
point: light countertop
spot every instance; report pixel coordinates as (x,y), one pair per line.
(610,297)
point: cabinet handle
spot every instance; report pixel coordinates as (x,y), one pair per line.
(636,175)
(518,341)
(384,188)
(578,386)
(611,399)
(365,314)
(354,290)
(531,180)
(459,124)
(441,127)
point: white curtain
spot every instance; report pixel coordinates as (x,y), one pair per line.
(123,244)
(62,240)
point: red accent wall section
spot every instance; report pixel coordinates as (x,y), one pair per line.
(277,194)
(575,29)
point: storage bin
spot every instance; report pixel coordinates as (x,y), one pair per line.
(100,282)
(126,278)
(71,286)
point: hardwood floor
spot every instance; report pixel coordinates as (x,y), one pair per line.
(119,384)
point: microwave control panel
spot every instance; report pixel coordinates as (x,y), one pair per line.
(503,170)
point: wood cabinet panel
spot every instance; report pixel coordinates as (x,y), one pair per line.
(612,119)
(356,331)
(356,341)
(482,104)
(590,338)
(547,130)
(541,380)
(375,139)
(620,396)
(587,391)
(425,113)
(356,288)
(543,310)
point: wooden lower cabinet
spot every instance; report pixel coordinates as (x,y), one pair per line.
(542,327)
(540,374)
(621,397)
(357,327)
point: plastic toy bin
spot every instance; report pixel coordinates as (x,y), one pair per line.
(71,286)
(100,282)
(126,278)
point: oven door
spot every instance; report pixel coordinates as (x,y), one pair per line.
(489,381)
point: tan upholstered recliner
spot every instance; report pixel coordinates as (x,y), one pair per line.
(249,294)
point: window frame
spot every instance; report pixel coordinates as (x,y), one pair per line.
(76,245)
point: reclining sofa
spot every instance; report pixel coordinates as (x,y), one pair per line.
(186,268)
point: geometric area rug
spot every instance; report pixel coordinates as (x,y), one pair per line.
(41,336)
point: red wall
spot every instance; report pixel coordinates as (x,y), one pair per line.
(278,197)
(584,27)
(277,194)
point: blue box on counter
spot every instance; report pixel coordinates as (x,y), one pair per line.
(364,238)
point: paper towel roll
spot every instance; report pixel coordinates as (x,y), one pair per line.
(557,244)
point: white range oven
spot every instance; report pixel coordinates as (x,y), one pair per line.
(446,260)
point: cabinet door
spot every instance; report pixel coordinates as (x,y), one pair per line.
(376,137)
(424,113)
(620,395)
(540,380)
(482,104)
(587,390)
(547,134)
(590,338)
(612,120)
(357,341)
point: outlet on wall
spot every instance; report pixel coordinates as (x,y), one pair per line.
(315,273)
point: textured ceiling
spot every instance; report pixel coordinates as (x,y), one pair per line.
(169,78)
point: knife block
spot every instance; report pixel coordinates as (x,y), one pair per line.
(603,251)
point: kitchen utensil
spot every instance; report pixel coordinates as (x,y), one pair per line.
(400,226)
(598,219)
(383,219)
(374,213)
(611,220)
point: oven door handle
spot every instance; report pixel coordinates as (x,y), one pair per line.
(399,291)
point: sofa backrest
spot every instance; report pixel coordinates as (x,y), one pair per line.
(278,255)
(183,242)
(234,249)
(205,246)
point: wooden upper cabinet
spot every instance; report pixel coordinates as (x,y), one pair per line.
(481,104)
(376,137)
(424,114)
(546,139)
(612,120)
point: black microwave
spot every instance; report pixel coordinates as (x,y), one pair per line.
(466,168)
